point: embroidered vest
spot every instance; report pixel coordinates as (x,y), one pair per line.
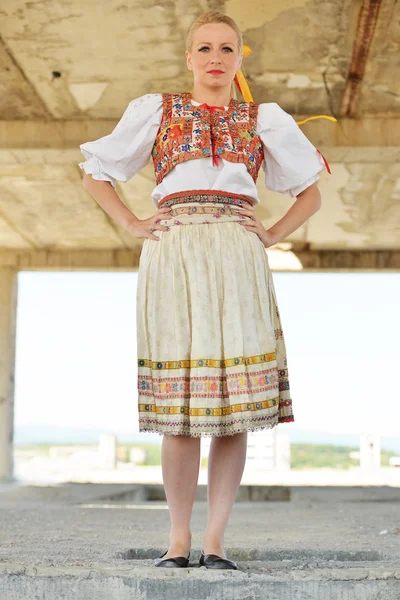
(187,132)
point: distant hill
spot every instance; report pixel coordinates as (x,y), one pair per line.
(48,434)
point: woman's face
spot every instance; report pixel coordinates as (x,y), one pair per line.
(215,47)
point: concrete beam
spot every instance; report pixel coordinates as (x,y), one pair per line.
(71,260)
(8,318)
(15,157)
(128,260)
(349,260)
(370,130)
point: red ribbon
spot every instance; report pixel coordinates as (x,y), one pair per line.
(211,108)
(325,161)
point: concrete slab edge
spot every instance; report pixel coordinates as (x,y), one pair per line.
(195,572)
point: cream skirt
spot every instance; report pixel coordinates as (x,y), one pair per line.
(211,352)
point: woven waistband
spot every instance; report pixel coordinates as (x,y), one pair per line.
(203,196)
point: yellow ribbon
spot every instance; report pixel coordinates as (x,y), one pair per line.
(316,117)
(240,79)
(244,89)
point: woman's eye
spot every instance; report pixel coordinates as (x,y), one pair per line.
(225,47)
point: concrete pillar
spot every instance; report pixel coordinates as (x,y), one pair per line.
(108,450)
(8,322)
(370,450)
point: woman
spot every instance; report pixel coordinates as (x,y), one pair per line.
(211,353)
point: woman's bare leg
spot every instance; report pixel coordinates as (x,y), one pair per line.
(180,458)
(226,462)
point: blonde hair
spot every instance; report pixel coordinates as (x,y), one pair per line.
(214,16)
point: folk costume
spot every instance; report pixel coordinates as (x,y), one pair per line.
(210,347)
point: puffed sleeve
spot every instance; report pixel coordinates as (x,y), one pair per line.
(291,162)
(127,149)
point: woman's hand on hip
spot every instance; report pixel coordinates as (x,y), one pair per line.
(253,223)
(143,228)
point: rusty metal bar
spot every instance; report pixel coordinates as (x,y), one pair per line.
(367,20)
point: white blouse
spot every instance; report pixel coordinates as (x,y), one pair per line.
(291,162)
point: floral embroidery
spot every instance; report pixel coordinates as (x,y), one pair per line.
(245,133)
(216,411)
(201,196)
(175,132)
(172,394)
(186,133)
(210,386)
(208,362)
(170,133)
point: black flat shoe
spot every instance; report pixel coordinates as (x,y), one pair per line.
(176,561)
(213,561)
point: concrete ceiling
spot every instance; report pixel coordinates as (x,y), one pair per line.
(69,69)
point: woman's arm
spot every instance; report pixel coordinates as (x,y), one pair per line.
(106,197)
(103,192)
(307,203)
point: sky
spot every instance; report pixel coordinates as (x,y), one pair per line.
(76,350)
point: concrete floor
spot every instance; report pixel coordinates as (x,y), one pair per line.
(98,540)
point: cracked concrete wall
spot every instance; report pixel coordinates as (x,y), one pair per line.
(66,62)
(298,46)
